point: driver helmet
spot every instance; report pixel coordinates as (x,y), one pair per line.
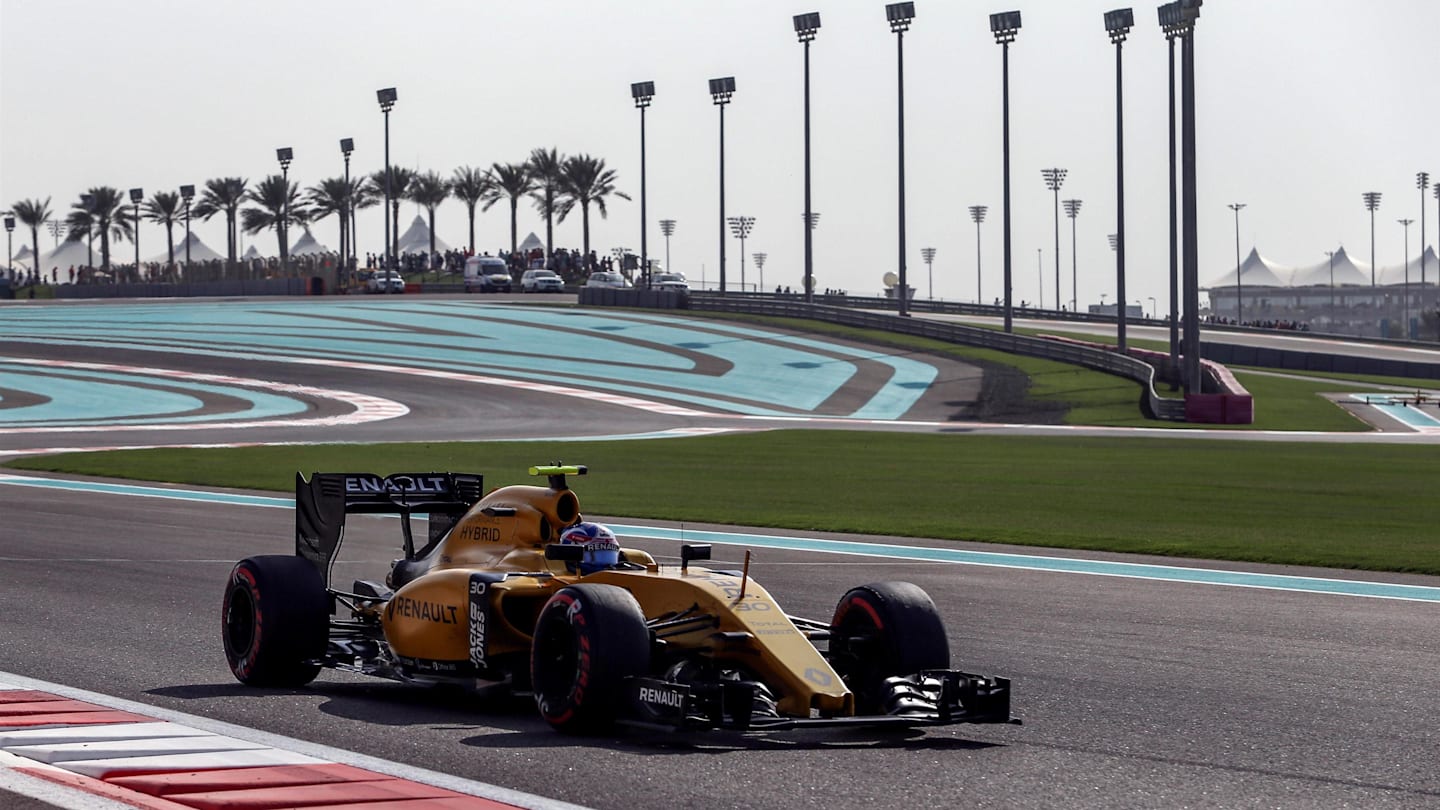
(602,550)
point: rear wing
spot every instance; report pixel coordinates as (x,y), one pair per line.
(322,503)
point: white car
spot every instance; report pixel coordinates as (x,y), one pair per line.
(541,281)
(385,281)
(607,278)
(670,281)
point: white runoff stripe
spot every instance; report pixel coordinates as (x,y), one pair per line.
(161,741)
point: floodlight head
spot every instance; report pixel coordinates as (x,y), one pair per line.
(1372,200)
(186,192)
(667,226)
(1236,207)
(1422,180)
(1004,25)
(1114,241)
(1054,178)
(806,25)
(347,145)
(136,195)
(1189,11)
(1072,208)
(284,154)
(386,98)
(722,89)
(900,15)
(977,213)
(1118,23)
(928,254)
(9,223)
(642,92)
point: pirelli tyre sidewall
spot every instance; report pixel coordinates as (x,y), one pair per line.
(882,630)
(588,639)
(274,621)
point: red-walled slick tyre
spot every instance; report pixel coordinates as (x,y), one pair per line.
(275,621)
(882,630)
(588,639)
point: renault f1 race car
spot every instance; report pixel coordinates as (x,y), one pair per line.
(599,635)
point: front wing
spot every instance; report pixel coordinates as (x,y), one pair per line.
(929,698)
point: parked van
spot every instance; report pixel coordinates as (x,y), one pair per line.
(487,274)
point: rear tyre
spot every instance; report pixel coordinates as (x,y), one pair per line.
(588,639)
(275,621)
(882,630)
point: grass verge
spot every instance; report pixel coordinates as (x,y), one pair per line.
(1338,505)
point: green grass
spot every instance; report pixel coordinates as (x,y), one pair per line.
(1348,506)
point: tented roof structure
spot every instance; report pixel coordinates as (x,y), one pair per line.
(21,259)
(416,238)
(1396,274)
(73,253)
(251,253)
(1346,271)
(1259,271)
(199,252)
(307,244)
(532,242)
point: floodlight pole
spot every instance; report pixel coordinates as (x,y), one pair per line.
(347,245)
(10,249)
(186,194)
(1331,255)
(1054,178)
(1072,210)
(740,226)
(667,227)
(900,15)
(284,155)
(136,195)
(805,27)
(977,214)
(1422,181)
(1405,325)
(88,202)
(1372,202)
(1004,26)
(387,99)
(1239,290)
(1118,23)
(642,92)
(760,265)
(720,92)
(928,254)
(1170,26)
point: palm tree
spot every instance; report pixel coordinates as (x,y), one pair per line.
(277,202)
(508,181)
(223,194)
(428,190)
(547,171)
(81,225)
(107,217)
(33,214)
(470,185)
(165,208)
(400,178)
(333,195)
(586,181)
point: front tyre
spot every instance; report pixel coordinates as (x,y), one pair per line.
(588,639)
(882,630)
(275,621)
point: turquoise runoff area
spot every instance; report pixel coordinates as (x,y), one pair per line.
(1389,404)
(930,554)
(84,397)
(761,373)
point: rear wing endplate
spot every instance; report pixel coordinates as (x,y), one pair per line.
(322,503)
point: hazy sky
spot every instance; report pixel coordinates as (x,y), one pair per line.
(1303,105)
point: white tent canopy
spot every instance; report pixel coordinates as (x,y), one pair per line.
(532,242)
(1259,271)
(416,238)
(307,245)
(21,260)
(199,252)
(1346,271)
(251,253)
(73,253)
(1396,274)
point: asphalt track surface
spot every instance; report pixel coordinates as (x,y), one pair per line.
(1134,693)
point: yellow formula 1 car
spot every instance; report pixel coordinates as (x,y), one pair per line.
(500,593)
